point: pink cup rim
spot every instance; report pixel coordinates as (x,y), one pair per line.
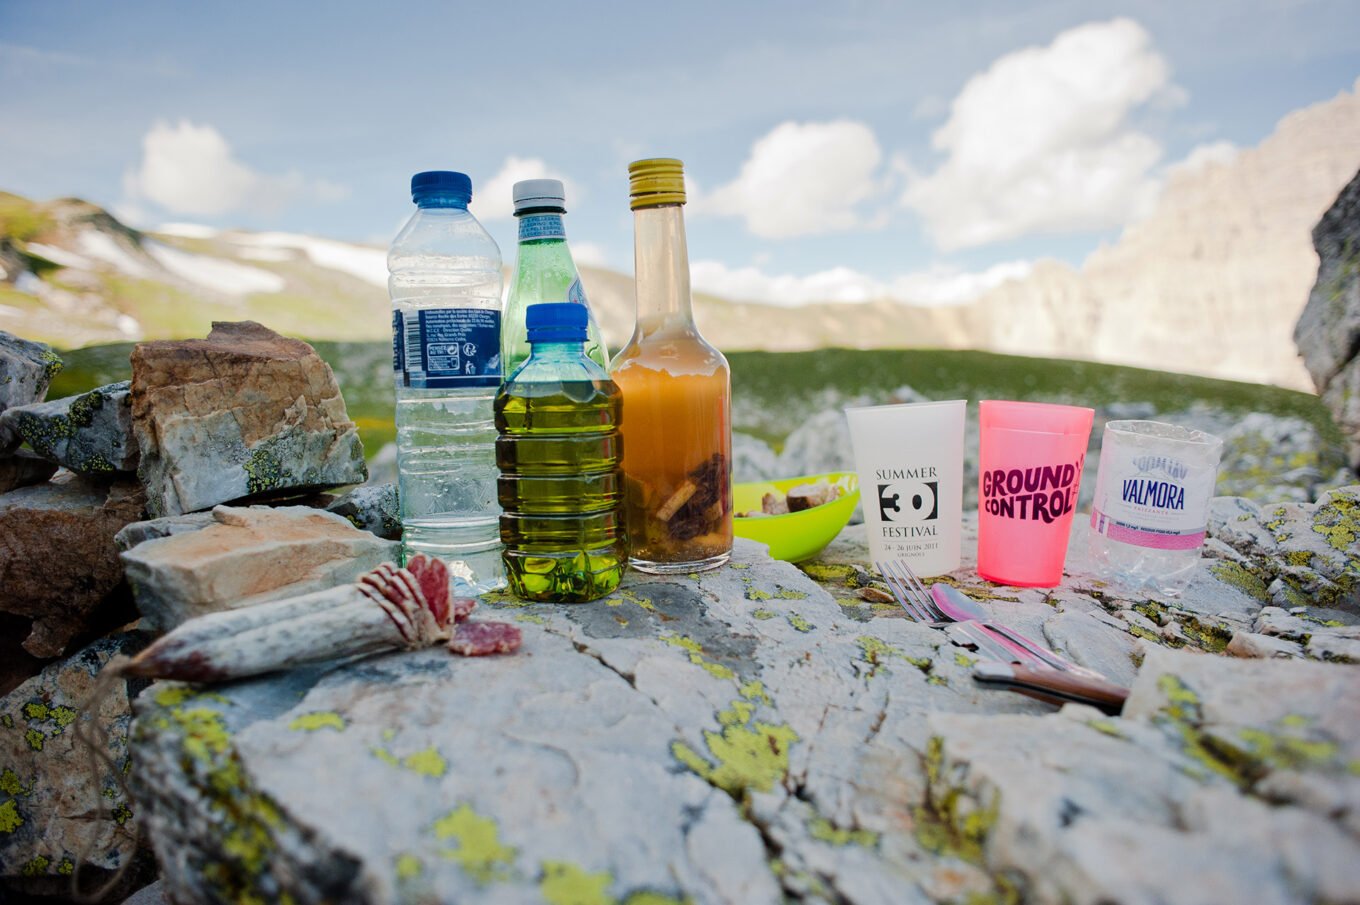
(1057,407)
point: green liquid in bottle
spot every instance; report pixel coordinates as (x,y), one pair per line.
(561,487)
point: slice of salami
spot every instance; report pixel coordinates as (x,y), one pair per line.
(433,577)
(477,639)
(463,607)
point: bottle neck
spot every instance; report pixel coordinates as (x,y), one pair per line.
(441,201)
(544,227)
(661,259)
(557,351)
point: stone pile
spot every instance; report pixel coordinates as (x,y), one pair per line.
(242,416)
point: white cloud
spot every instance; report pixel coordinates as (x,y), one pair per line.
(1214,153)
(589,254)
(802,179)
(494,199)
(1042,141)
(190,169)
(939,285)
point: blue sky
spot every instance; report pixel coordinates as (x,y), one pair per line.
(835,150)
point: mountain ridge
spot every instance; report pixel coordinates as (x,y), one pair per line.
(1210,282)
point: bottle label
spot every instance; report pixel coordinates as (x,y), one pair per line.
(1149,500)
(452,348)
(541,226)
(577,293)
(398,344)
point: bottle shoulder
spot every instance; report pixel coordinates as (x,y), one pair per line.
(679,353)
(443,239)
(552,371)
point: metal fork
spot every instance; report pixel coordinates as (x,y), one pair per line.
(927,610)
(1022,666)
(907,589)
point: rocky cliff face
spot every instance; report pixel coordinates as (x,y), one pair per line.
(1328,333)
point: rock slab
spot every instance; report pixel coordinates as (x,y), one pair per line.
(90,433)
(750,735)
(26,368)
(47,817)
(243,556)
(58,560)
(23,469)
(372,507)
(243,413)
(1328,331)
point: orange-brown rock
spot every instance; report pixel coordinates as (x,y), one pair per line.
(58,561)
(245,556)
(243,413)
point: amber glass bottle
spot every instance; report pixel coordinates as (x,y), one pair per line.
(677,390)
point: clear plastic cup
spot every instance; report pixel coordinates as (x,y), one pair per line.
(1151,506)
(910,464)
(1030,461)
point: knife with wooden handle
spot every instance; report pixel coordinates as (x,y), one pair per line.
(1053,686)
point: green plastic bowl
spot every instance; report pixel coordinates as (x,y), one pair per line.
(798,535)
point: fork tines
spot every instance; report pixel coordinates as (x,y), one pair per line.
(908,590)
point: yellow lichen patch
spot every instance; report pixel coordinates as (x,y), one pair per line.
(647,897)
(799,623)
(695,649)
(479,852)
(35,739)
(176,694)
(747,757)
(35,710)
(1339,522)
(763,614)
(408,867)
(10,784)
(754,690)
(320,719)
(10,819)
(876,652)
(37,867)
(426,762)
(248,818)
(633,597)
(826,831)
(533,618)
(564,883)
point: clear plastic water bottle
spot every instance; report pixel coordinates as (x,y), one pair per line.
(445,286)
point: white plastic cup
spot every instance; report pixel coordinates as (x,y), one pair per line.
(910,464)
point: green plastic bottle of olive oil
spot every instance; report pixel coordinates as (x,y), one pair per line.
(559,452)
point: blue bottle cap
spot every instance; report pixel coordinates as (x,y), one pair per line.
(557,322)
(456,186)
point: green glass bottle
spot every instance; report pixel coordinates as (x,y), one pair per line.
(544,271)
(559,452)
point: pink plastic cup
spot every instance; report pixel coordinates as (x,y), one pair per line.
(1030,460)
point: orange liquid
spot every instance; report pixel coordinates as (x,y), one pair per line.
(677,454)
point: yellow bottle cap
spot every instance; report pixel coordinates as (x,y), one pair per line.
(656,181)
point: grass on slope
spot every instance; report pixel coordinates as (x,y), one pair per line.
(775,391)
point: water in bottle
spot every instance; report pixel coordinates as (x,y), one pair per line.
(445,286)
(560,457)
